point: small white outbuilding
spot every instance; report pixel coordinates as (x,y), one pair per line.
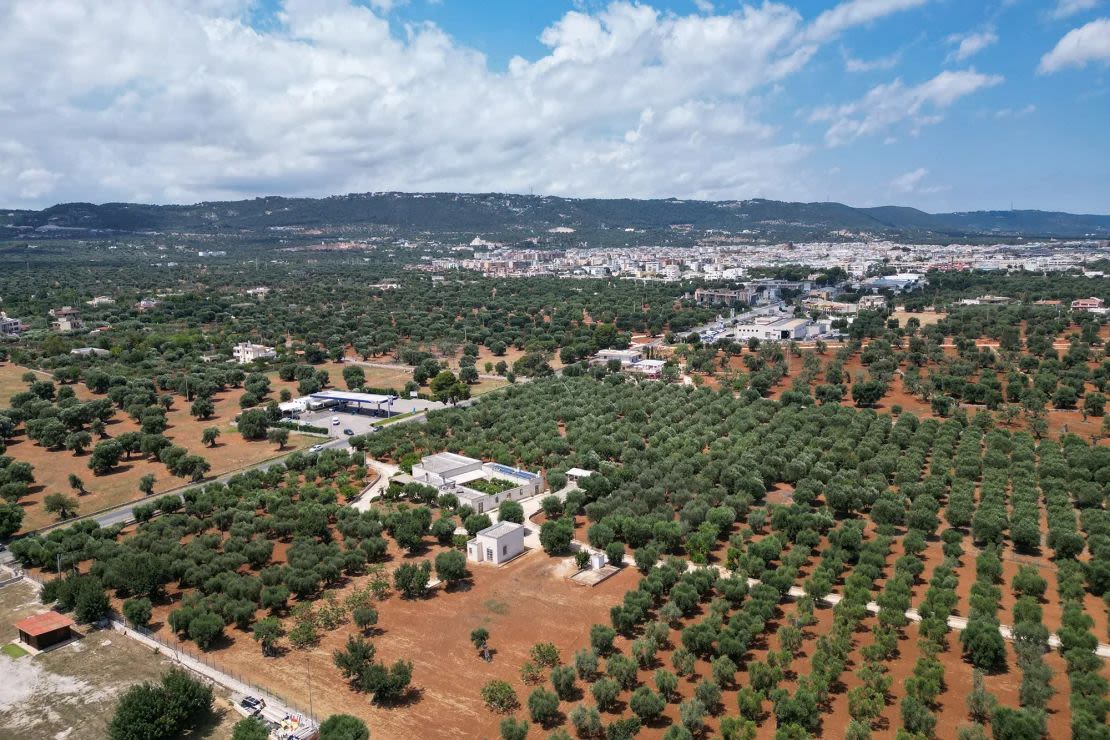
(497,544)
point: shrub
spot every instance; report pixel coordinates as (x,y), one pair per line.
(499,696)
(343,727)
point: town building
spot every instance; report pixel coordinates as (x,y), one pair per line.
(871,303)
(66,319)
(146,304)
(101,300)
(10,327)
(482,486)
(1092,304)
(45,630)
(723,297)
(497,544)
(246,352)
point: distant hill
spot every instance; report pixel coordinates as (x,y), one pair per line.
(494,213)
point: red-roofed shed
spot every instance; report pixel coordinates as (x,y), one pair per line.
(46,629)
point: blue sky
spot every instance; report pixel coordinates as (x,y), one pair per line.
(939,104)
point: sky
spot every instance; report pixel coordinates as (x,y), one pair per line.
(944,105)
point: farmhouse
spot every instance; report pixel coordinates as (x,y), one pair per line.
(66,319)
(43,630)
(483,486)
(1092,304)
(246,352)
(575,475)
(625,357)
(497,544)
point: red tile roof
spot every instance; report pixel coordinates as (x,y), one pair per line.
(40,624)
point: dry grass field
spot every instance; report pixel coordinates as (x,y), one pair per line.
(53,467)
(71,692)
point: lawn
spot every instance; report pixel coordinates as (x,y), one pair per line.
(13,651)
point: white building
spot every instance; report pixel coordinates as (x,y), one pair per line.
(575,475)
(482,486)
(871,302)
(66,319)
(245,352)
(771,329)
(10,327)
(626,357)
(101,300)
(1091,304)
(497,544)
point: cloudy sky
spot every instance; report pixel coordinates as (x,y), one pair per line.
(939,104)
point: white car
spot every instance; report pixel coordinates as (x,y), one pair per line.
(335,421)
(316,448)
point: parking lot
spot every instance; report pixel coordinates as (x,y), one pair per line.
(362,423)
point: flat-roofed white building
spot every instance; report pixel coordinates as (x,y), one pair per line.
(497,544)
(482,486)
(624,356)
(246,352)
(770,329)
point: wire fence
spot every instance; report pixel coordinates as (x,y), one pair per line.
(189,658)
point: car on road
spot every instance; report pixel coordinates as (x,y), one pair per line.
(349,432)
(316,448)
(252,705)
(335,421)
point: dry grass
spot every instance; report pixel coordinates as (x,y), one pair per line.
(53,467)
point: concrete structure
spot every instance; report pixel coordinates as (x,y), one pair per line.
(771,329)
(374,404)
(101,300)
(44,630)
(903,282)
(146,304)
(246,352)
(626,357)
(648,368)
(66,319)
(10,327)
(871,302)
(1088,304)
(575,475)
(723,297)
(89,352)
(497,544)
(460,475)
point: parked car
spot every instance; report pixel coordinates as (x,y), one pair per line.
(335,421)
(349,432)
(252,704)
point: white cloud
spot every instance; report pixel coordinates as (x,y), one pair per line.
(912,183)
(886,106)
(1068,8)
(182,100)
(855,13)
(1089,43)
(1016,112)
(851,64)
(969,44)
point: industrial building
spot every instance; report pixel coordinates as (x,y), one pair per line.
(772,329)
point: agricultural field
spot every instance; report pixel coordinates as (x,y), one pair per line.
(53,467)
(790,570)
(72,691)
(1049,380)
